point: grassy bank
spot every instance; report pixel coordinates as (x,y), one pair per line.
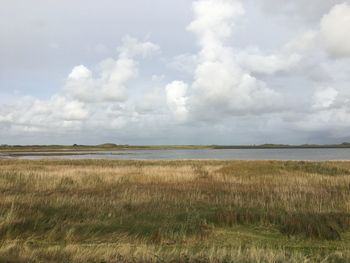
(94,148)
(180,211)
(115,147)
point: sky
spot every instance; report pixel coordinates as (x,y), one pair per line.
(174,72)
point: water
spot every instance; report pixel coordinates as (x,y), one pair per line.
(227,154)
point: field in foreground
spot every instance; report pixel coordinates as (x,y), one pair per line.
(174,211)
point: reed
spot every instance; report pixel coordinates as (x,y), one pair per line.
(180,211)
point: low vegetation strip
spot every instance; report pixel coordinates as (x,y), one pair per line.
(174,211)
(119,147)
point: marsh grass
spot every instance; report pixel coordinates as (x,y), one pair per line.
(180,211)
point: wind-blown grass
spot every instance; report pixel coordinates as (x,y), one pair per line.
(180,211)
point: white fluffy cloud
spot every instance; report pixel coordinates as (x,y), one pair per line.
(30,114)
(86,100)
(333,34)
(214,20)
(335,30)
(110,85)
(111,81)
(177,100)
(221,85)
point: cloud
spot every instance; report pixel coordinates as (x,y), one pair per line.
(177,99)
(214,20)
(254,84)
(30,114)
(132,47)
(335,30)
(324,98)
(309,11)
(113,76)
(255,61)
(110,85)
(225,82)
(334,123)
(332,34)
(220,85)
(303,42)
(152,102)
(89,99)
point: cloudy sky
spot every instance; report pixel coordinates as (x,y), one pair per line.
(174,72)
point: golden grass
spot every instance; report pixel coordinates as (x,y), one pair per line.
(180,211)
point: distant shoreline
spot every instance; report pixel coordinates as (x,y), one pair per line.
(114,147)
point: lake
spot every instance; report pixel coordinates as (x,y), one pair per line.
(227,154)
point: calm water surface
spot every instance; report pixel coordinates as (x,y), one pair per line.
(230,154)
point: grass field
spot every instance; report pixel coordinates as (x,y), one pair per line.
(174,211)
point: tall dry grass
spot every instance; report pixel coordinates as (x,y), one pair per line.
(88,210)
